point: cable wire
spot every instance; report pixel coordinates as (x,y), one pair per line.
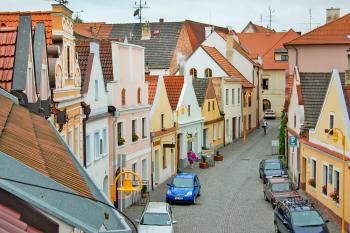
(73,194)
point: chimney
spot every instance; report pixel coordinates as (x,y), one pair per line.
(229,44)
(161,20)
(332,14)
(146,31)
(347,71)
(181,61)
(208,31)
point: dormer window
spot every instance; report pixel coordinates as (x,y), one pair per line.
(281,55)
(208,73)
(193,72)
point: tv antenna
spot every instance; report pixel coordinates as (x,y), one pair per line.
(139,6)
(271,12)
(63,2)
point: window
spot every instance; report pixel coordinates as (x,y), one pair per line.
(214,132)
(233,96)
(104,141)
(144,169)
(336,183)
(250,122)
(97,144)
(331,121)
(249,101)
(312,181)
(123,96)
(121,139)
(134,130)
(208,106)
(144,127)
(134,169)
(227,126)
(162,121)
(284,57)
(139,95)
(208,73)
(193,72)
(189,110)
(164,158)
(213,105)
(96,90)
(88,149)
(226,96)
(68,60)
(220,131)
(239,95)
(324,179)
(295,121)
(265,84)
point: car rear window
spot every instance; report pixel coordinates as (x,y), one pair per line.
(272,166)
(156,219)
(306,218)
(281,187)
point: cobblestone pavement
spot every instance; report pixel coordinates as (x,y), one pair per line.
(231,198)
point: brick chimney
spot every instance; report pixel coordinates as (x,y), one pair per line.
(229,44)
(332,14)
(146,31)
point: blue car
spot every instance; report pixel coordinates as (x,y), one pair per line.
(184,187)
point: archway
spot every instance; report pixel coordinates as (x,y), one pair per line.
(266,104)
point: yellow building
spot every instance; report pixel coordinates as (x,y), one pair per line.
(67,84)
(162,131)
(321,160)
(213,130)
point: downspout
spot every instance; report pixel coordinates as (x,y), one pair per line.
(87,111)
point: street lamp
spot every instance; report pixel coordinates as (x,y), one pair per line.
(335,132)
(182,109)
(246,94)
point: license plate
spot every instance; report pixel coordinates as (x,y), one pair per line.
(178,198)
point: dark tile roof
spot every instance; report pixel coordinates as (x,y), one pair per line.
(159,50)
(200,86)
(7,56)
(85,59)
(314,88)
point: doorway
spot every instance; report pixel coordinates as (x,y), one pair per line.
(156,173)
(239,127)
(303,174)
(266,104)
(205,138)
(234,128)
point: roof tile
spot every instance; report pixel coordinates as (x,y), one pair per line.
(152,87)
(174,85)
(7,55)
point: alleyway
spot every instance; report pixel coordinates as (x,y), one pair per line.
(231,199)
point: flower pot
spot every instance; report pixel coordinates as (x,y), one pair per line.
(218,157)
(204,165)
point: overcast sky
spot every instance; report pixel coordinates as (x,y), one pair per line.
(287,13)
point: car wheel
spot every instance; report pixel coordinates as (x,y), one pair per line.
(199,193)
(194,200)
(276,229)
(259,175)
(265,197)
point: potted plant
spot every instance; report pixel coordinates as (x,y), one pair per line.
(312,182)
(335,195)
(135,137)
(203,164)
(121,141)
(218,156)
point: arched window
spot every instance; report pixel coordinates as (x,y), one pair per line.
(123,96)
(266,104)
(208,73)
(193,72)
(139,95)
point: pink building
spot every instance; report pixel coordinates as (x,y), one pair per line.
(123,66)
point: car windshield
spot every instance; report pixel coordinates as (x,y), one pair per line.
(158,219)
(182,182)
(306,218)
(272,166)
(281,187)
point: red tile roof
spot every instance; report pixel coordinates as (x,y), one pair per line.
(29,139)
(10,221)
(173,85)
(152,87)
(335,32)
(7,55)
(265,45)
(226,65)
(106,59)
(261,28)
(11,19)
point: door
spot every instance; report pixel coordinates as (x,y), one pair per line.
(156,172)
(205,139)
(303,174)
(234,128)
(239,127)
(282,219)
(196,186)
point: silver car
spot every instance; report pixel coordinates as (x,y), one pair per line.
(156,218)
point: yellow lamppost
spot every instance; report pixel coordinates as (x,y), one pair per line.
(336,132)
(246,94)
(127,183)
(183,110)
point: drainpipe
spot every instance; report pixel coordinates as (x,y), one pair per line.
(87,111)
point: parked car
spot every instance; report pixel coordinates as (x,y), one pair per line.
(269,168)
(298,216)
(184,187)
(279,189)
(156,218)
(269,114)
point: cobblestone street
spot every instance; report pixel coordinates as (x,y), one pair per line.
(231,199)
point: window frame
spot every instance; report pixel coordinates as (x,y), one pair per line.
(104,137)
(194,74)
(233,96)
(144,127)
(265,84)
(208,73)
(97,147)
(88,156)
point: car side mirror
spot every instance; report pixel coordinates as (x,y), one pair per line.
(137,220)
(170,185)
(327,221)
(174,221)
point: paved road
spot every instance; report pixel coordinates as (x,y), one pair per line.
(231,199)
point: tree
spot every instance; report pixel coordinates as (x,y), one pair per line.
(283,134)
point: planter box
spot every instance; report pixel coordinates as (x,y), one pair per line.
(218,157)
(203,165)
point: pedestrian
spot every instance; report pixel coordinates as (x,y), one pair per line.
(265,126)
(191,156)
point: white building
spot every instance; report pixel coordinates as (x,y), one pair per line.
(96,159)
